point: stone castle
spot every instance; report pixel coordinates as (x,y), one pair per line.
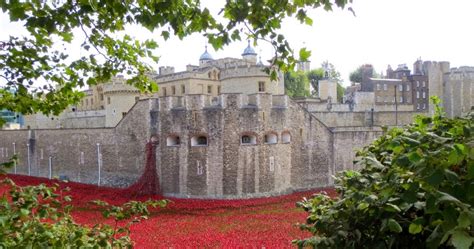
(224,130)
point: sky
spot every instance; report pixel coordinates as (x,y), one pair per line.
(383,32)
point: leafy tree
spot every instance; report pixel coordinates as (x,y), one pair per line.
(39,57)
(296,84)
(415,190)
(356,75)
(314,76)
(340,93)
(333,73)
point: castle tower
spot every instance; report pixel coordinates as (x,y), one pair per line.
(418,67)
(303,66)
(249,54)
(437,73)
(327,89)
(389,72)
(205,57)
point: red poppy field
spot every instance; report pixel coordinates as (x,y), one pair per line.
(184,223)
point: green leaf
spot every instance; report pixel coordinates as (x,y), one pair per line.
(363,206)
(445,197)
(470,169)
(304,54)
(24,212)
(461,240)
(394,226)
(464,220)
(415,228)
(389,207)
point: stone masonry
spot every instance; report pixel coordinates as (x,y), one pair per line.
(229,146)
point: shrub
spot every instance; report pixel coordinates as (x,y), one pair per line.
(415,190)
(39,217)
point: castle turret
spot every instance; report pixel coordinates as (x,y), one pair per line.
(418,67)
(205,57)
(389,72)
(249,54)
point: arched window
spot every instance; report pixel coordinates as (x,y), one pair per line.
(285,137)
(172,140)
(271,138)
(248,139)
(200,140)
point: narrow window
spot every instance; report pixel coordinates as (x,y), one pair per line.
(378,87)
(261,86)
(199,141)
(400,88)
(164,91)
(401,99)
(385,87)
(417,94)
(101,96)
(272,163)
(270,138)
(417,83)
(424,94)
(108,100)
(172,141)
(285,137)
(173,90)
(124,113)
(248,139)
(209,89)
(408,87)
(218,89)
(423,86)
(199,168)
(183,89)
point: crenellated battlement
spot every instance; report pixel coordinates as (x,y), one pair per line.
(239,71)
(203,101)
(461,73)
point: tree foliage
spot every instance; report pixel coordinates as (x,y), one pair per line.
(40,56)
(356,75)
(296,84)
(314,76)
(332,71)
(340,93)
(415,190)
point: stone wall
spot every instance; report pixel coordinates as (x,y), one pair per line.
(459,91)
(347,140)
(74,153)
(288,148)
(360,119)
(228,168)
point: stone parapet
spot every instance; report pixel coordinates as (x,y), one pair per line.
(203,101)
